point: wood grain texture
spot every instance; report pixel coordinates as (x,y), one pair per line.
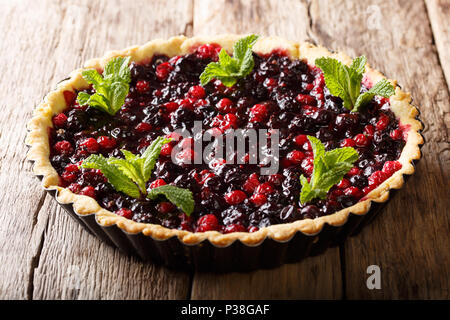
(318,277)
(410,240)
(53,38)
(439,15)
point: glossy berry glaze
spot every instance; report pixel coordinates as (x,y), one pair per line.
(279,94)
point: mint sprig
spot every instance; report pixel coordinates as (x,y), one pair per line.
(131,174)
(111,87)
(229,69)
(180,197)
(345,82)
(329,169)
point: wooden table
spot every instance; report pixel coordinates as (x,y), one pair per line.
(45,255)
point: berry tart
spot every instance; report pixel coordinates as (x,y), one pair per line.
(113,144)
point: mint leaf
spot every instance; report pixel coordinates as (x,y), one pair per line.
(150,156)
(111,88)
(132,169)
(345,82)
(180,197)
(329,169)
(382,88)
(115,176)
(230,69)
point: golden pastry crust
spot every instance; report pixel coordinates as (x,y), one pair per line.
(54,103)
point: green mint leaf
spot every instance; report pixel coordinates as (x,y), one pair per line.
(182,198)
(345,82)
(329,169)
(382,88)
(230,69)
(111,88)
(151,154)
(359,64)
(115,176)
(132,169)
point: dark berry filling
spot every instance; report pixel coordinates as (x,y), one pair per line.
(282,94)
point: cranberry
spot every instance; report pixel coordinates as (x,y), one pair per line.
(60,120)
(235,197)
(63,147)
(207,222)
(369,130)
(163,70)
(69,176)
(75,187)
(308,166)
(354,171)
(353,191)
(301,139)
(196,92)
(348,143)
(344,184)
(391,166)
(90,144)
(106,142)
(166,150)
(126,213)
(258,113)
(252,229)
(295,157)
(252,182)
(361,140)
(234,228)
(157,183)
(258,199)
(275,179)
(382,123)
(69,97)
(142,86)
(165,207)
(171,106)
(88,191)
(143,127)
(396,134)
(270,83)
(208,51)
(72,168)
(225,105)
(377,178)
(265,188)
(305,99)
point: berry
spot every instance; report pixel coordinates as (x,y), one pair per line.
(377,178)
(295,157)
(63,147)
(276,179)
(225,105)
(347,143)
(88,191)
(208,51)
(234,228)
(75,187)
(258,199)
(265,188)
(69,176)
(391,166)
(106,142)
(163,70)
(251,183)
(69,97)
(308,166)
(305,99)
(165,207)
(382,123)
(353,191)
(90,145)
(301,139)
(361,140)
(369,130)
(253,229)
(142,86)
(60,120)
(170,106)
(270,83)
(166,150)
(207,222)
(72,168)
(143,127)
(258,113)
(235,197)
(396,134)
(344,184)
(126,213)
(196,92)
(354,171)
(157,183)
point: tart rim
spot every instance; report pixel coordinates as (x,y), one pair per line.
(54,103)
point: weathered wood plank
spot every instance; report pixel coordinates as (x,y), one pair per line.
(439,16)
(410,240)
(50,39)
(318,277)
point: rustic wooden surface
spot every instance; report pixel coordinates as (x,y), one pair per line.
(46,255)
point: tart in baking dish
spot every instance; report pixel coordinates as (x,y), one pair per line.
(116,139)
